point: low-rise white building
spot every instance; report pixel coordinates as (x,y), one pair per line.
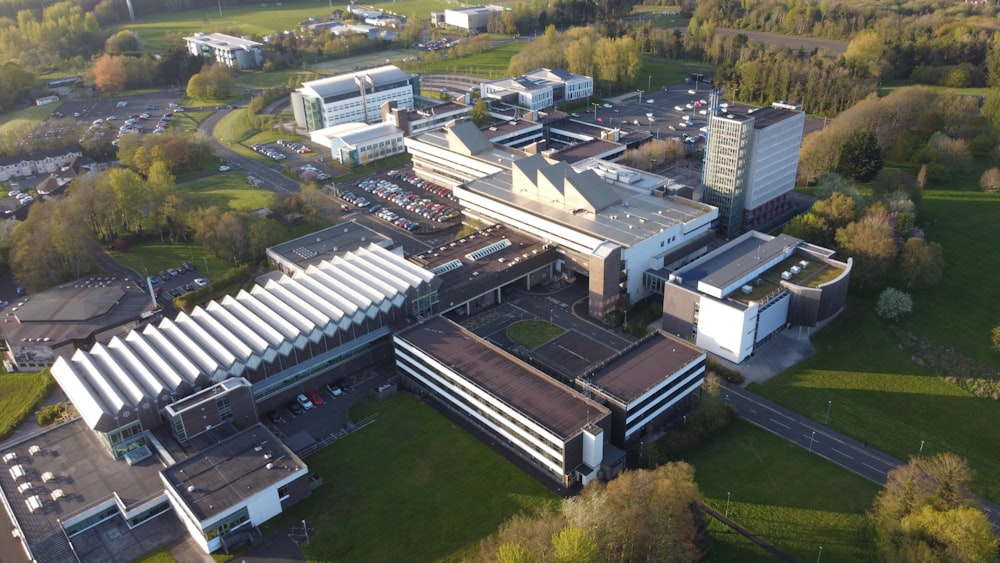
(41,162)
(234,52)
(353,97)
(471,19)
(357,144)
(736,297)
(539,89)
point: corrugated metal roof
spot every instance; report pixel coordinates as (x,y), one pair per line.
(218,341)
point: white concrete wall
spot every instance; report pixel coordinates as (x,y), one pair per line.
(774,160)
(725,330)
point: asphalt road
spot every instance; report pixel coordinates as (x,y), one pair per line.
(848,453)
(272,179)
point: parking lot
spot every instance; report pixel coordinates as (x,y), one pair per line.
(400,199)
(302,428)
(174,282)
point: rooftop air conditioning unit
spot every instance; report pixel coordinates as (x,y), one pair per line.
(747,289)
(804,264)
(786,275)
(795,269)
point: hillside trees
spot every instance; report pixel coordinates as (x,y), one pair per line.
(581,50)
(213,82)
(927,513)
(644,515)
(50,247)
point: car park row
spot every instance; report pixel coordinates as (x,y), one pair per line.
(269,152)
(159,281)
(309,400)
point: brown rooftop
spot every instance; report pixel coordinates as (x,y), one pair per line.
(642,368)
(236,468)
(521,387)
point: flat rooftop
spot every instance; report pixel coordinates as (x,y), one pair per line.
(323,245)
(637,371)
(524,389)
(82,468)
(483,260)
(737,260)
(74,311)
(235,468)
(585,150)
(763,116)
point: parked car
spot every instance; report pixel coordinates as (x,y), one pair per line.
(275,417)
(200,282)
(304,401)
(334,390)
(315,397)
(296,408)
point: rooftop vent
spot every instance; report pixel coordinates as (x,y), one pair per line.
(747,289)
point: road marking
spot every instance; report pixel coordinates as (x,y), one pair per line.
(872,468)
(780,424)
(753,411)
(842,453)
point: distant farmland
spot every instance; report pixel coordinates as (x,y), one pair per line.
(790,41)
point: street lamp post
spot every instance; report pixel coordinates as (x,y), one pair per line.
(921,452)
(829,404)
(728,495)
(820,554)
(649,83)
(811,439)
(640,97)
(596,105)
(685,417)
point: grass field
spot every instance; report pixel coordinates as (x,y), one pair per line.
(234,127)
(491,64)
(153,257)
(19,394)
(16,121)
(533,334)
(879,393)
(260,80)
(788,497)
(410,487)
(227,191)
(189,120)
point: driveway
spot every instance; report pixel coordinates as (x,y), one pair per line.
(272,178)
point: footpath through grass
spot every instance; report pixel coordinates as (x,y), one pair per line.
(410,487)
(785,495)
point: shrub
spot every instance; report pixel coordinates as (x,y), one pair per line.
(50,414)
(893,303)
(730,375)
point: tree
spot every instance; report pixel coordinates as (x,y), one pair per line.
(833,183)
(50,247)
(109,73)
(920,263)
(574,545)
(837,210)
(809,227)
(892,304)
(125,41)
(995,337)
(990,180)
(481,113)
(861,156)
(926,512)
(871,242)
(954,154)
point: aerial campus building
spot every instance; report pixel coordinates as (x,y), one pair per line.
(732,300)
(353,97)
(234,52)
(751,161)
(608,222)
(470,19)
(174,405)
(539,89)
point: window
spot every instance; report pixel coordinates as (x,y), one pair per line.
(283,492)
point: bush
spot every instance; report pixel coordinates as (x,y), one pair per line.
(50,414)
(730,375)
(893,303)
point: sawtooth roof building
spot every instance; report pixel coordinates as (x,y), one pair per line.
(353,97)
(609,222)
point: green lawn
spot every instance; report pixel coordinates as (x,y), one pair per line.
(260,80)
(533,334)
(491,64)
(153,257)
(188,121)
(235,127)
(788,497)
(17,121)
(410,487)
(253,19)
(228,191)
(879,393)
(20,393)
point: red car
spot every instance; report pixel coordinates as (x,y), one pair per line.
(315,397)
